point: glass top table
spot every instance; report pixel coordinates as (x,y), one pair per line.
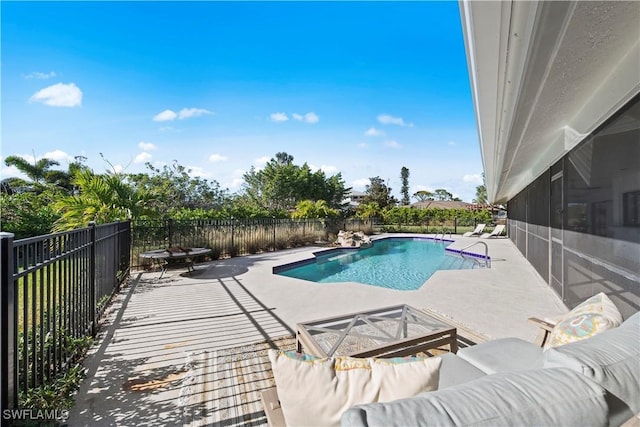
(386,332)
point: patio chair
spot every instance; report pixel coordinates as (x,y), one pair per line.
(546,326)
(495,233)
(477,232)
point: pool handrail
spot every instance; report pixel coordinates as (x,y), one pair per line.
(486,253)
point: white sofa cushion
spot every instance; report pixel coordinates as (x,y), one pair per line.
(315,391)
(540,397)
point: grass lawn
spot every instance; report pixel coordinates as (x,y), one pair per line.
(44,290)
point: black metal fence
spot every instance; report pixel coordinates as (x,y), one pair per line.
(234,237)
(54,290)
(454,226)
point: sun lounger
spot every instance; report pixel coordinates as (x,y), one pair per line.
(495,233)
(478,231)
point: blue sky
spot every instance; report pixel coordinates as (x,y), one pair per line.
(361,88)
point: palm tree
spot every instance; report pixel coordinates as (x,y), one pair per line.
(310,209)
(36,172)
(41,175)
(368,210)
(101,198)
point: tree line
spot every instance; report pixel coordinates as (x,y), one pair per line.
(54,200)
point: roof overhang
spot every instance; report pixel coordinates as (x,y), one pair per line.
(544,75)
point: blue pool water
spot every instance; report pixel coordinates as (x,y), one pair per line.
(395,263)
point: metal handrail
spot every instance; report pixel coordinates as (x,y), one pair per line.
(486,252)
(444,233)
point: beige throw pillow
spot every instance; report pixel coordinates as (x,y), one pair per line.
(314,391)
(594,315)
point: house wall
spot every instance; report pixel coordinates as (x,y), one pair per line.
(579,222)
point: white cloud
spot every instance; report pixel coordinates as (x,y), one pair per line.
(166,129)
(165,116)
(387,119)
(261,161)
(39,76)
(160,164)
(58,155)
(186,113)
(197,171)
(393,144)
(451,143)
(374,132)
(142,157)
(328,169)
(363,145)
(59,95)
(474,178)
(236,179)
(118,168)
(146,146)
(307,118)
(215,158)
(311,118)
(360,183)
(11,171)
(278,117)
(235,183)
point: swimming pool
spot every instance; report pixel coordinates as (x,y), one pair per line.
(394,263)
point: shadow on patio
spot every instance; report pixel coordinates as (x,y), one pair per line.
(155,343)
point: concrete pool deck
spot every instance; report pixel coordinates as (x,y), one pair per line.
(134,370)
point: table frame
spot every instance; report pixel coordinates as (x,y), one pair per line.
(397,346)
(162,256)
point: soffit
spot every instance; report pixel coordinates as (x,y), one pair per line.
(562,69)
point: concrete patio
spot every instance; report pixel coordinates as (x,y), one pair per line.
(134,371)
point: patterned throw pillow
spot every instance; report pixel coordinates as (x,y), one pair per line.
(594,315)
(315,391)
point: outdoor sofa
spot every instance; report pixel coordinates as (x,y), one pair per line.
(591,382)
(587,374)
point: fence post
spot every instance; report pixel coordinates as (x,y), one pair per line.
(274,232)
(8,326)
(125,248)
(233,222)
(169,231)
(92,277)
(455,225)
(326,229)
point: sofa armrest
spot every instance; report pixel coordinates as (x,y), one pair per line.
(503,355)
(610,358)
(455,371)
